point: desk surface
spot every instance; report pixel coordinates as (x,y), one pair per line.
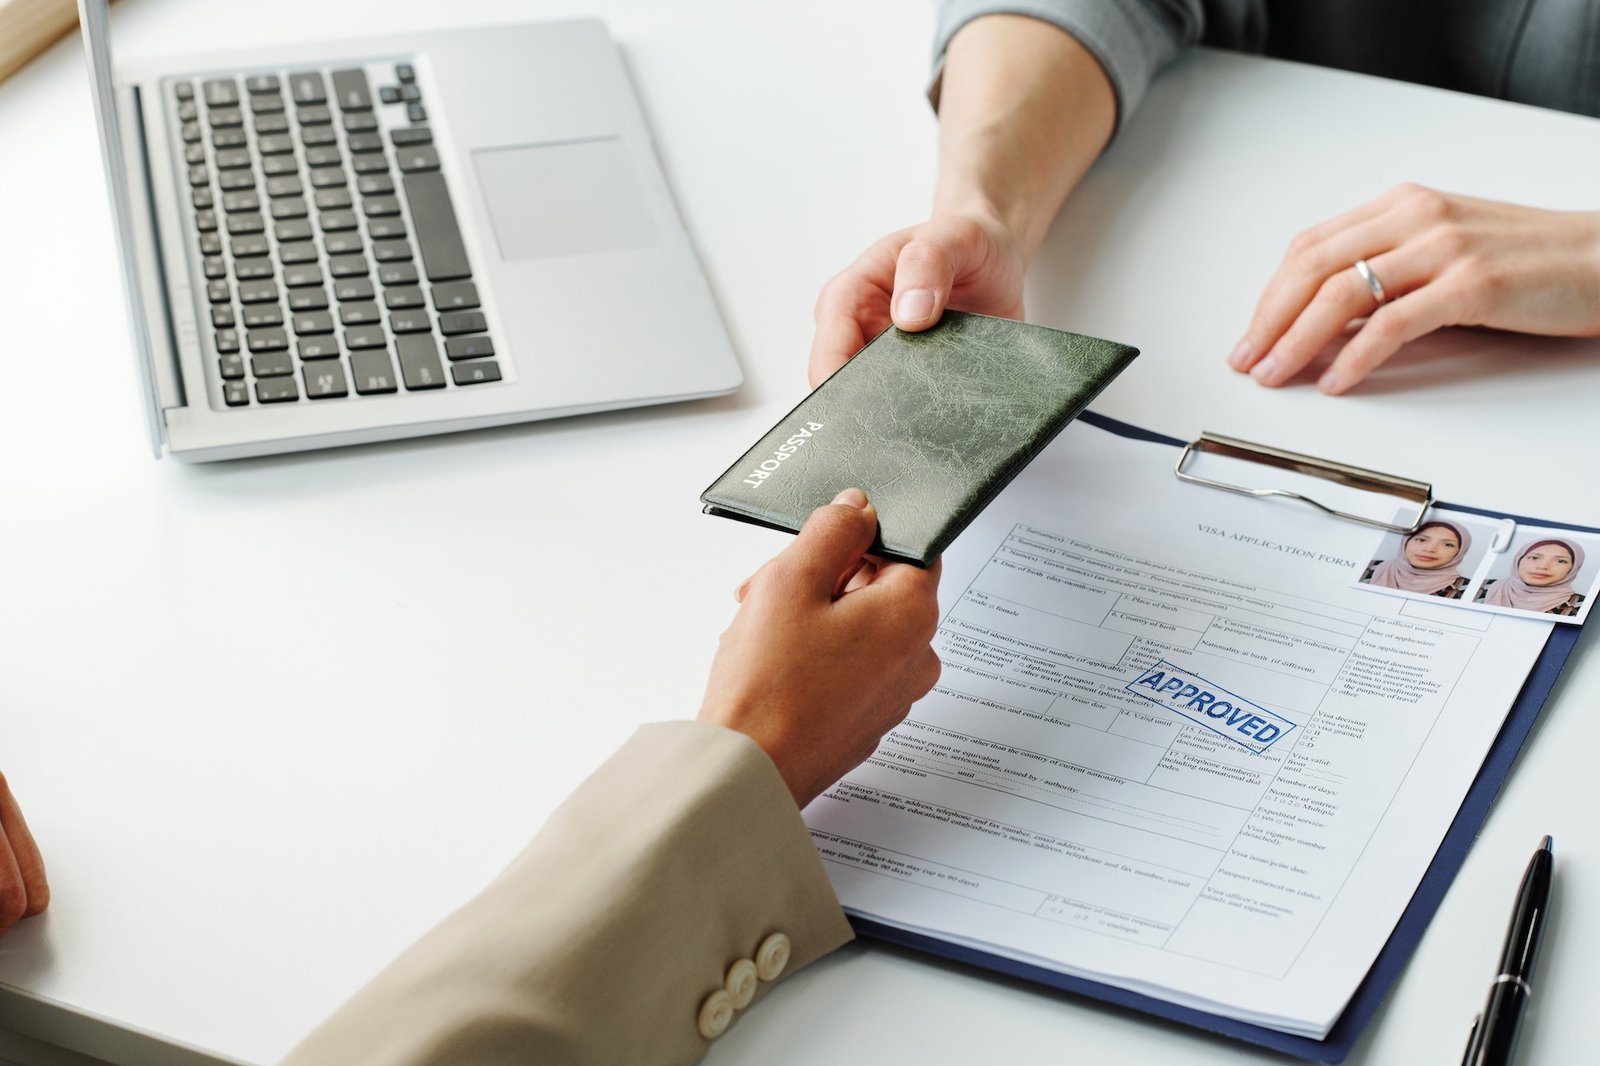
(272,719)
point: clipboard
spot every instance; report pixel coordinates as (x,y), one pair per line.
(1430,891)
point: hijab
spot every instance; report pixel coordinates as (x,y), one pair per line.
(1512,591)
(1398,573)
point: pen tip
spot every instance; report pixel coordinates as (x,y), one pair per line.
(1547,844)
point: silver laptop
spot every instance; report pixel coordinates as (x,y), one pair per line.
(328,244)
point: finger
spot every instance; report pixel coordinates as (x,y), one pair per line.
(923,275)
(24,852)
(1393,326)
(829,547)
(1342,297)
(13,894)
(1300,278)
(839,335)
(860,578)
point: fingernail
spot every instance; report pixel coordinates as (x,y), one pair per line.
(1329,381)
(851,498)
(916,305)
(1266,370)
(1241,354)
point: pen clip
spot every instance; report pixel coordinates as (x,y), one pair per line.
(1471,1053)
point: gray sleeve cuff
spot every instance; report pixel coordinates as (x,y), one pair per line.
(1132,39)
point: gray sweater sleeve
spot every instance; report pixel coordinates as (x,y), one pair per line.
(1132,39)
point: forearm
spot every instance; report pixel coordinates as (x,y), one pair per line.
(1024,110)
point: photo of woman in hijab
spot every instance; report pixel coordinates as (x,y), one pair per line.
(1427,562)
(1541,579)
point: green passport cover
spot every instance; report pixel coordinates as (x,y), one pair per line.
(931,426)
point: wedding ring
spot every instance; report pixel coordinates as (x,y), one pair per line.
(1372,282)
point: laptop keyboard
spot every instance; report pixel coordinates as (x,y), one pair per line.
(333,259)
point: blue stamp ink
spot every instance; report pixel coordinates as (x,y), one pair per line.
(1247,724)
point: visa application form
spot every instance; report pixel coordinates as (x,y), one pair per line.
(1172,748)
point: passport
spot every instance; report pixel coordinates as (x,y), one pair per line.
(930,425)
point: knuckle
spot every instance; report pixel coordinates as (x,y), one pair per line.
(13,902)
(1302,243)
(1429,204)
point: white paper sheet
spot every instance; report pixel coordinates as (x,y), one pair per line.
(1063,798)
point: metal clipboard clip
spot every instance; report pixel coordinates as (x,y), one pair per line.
(1403,488)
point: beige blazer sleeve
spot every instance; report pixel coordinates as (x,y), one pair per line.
(629,926)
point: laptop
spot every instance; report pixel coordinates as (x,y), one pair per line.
(336,243)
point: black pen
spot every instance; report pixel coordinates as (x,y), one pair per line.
(1494,1032)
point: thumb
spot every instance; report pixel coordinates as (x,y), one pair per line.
(831,544)
(923,276)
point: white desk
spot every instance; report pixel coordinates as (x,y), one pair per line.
(271,720)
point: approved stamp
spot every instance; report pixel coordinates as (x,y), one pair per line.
(1247,724)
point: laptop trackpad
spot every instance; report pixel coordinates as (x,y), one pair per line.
(565,198)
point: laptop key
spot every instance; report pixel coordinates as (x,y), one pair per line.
(353,289)
(308,88)
(397,273)
(273,165)
(314,116)
(318,135)
(243,200)
(201,197)
(183,90)
(327,155)
(415,158)
(364,337)
(370,184)
(248,222)
(235,393)
(324,380)
(411,135)
(221,92)
(313,322)
(259,267)
(277,390)
(319,346)
(218,292)
(215,266)
(396,299)
(205,221)
(468,347)
(416,321)
(272,364)
(455,296)
(342,243)
(210,245)
(369,164)
(391,251)
(227,340)
(297,253)
(358,314)
(462,322)
(222,316)
(350,90)
(336,220)
(383,229)
(266,340)
(475,373)
(266,105)
(419,361)
(285,185)
(275,144)
(301,275)
(255,292)
(365,142)
(405,72)
(345,266)
(188,112)
(360,122)
(233,158)
(416,113)
(372,371)
(224,117)
(289,207)
(389,94)
(236,179)
(194,153)
(231,367)
(410,93)
(191,132)
(272,124)
(308,299)
(438,233)
(244,247)
(262,83)
(198,175)
(228,138)
(327,177)
(380,206)
(292,229)
(331,198)
(258,315)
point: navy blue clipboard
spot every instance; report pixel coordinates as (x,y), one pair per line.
(1407,932)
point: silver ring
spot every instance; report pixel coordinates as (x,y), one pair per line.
(1372,282)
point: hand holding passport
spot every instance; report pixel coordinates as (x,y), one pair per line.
(931,426)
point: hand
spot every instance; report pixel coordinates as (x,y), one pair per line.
(23,890)
(970,262)
(815,675)
(1443,260)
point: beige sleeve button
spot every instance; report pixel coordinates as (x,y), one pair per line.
(741,983)
(716,1014)
(772,956)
